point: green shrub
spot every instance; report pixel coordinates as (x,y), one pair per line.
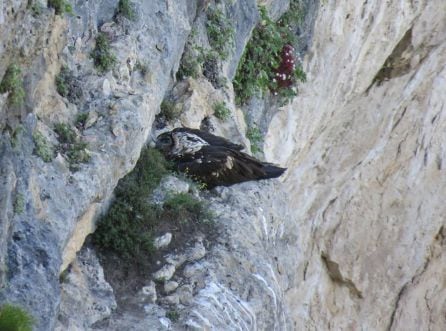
(42,147)
(255,137)
(127,228)
(36,9)
(169,111)
(61,81)
(263,55)
(60,6)
(173,315)
(12,82)
(13,318)
(184,207)
(19,203)
(125,8)
(220,32)
(103,57)
(71,146)
(81,120)
(221,111)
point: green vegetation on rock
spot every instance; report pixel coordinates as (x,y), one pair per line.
(125,9)
(19,203)
(60,6)
(258,68)
(127,227)
(103,57)
(14,318)
(220,32)
(255,137)
(71,146)
(42,147)
(221,111)
(12,82)
(169,111)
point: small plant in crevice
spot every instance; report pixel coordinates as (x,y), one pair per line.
(68,86)
(126,9)
(42,147)
(220,32)
(61,81)
(184,207)
(81,121)
(268,62)
(19,203)
(14,318)
(173,315)
(169,111)
(71,146)
(255,137)
(103,57)
(36,8)
(60,6)
(12,82)
(221,111)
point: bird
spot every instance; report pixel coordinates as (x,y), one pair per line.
(212,160)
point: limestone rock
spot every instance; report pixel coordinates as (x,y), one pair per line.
(86,297)
(165,273)
(162,241)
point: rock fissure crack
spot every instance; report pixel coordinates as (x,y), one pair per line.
(336,276)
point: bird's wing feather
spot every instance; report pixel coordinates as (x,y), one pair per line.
(211,139)
(216,165)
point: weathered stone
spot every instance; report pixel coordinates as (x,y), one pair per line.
(169,185)
(192,269)
(185,294)
(198,251)
(170,286)
(162,241)
(86,297)
(165,273)
(148,293)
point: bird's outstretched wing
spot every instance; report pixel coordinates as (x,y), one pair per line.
(217,165)
(210,138)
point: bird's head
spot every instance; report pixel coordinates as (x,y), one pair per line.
(165,143)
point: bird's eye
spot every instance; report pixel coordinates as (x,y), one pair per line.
(165,140)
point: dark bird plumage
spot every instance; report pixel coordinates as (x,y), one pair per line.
(211,159)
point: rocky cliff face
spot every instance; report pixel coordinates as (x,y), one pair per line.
(352,237)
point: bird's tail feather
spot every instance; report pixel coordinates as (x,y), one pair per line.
(273,171)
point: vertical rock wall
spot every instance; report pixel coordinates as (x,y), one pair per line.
(365,145)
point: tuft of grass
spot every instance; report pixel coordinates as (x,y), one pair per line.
(19,203)
(126,9)
(62,81)
(264,54)
(36,9)
(12,82)
(173,315)
(169,111)
(221,111)
(60,6)
(220,32)
(13,318)
(81,120)
(71,146)
(103,57)
(186,208)
(255,137)
(42,147)
(67,85)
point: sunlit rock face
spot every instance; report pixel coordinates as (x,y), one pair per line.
(364,144)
